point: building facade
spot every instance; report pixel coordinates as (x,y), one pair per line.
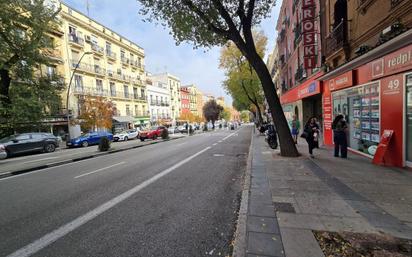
(159,101)
(200,103)
(184,100)
(368,57)
(173,83)
(193,99)
(299,88)
(273,67)
(104,64)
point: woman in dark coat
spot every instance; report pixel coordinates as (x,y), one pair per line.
(311,132)
(340,128)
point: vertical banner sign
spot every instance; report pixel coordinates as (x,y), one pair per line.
(308,34)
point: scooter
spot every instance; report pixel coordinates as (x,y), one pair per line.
(271,137)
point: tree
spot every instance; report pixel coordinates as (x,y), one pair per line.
(242,82)
(96,113)
(212,111)
(26,95)
(226,114)
(214,22)
(244,116)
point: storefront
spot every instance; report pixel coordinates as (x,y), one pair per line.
(303,101)
(374,97)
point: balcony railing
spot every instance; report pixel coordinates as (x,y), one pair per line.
(110,54)
(52,53)
(76,39)
(125,60)
(93,91)
(337,38)
(97,49)
(82,66)
(99,70)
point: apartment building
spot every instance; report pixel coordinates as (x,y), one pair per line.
(193,98)
(184,100)
(159,101)
(273,66)
(200,103)
(173,83)
(368,59)
(105,64)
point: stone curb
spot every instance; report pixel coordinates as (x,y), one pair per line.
(54,164)
(239,245)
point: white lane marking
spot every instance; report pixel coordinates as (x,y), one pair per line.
(49,158)
(220,141)
(228,136)
(53,236)
(215,144)
(218,155)
(105,168)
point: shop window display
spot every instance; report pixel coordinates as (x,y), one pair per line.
(409,119)
(360,106)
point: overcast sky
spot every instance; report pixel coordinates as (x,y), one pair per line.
(198,67)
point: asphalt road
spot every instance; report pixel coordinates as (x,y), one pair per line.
(177,198)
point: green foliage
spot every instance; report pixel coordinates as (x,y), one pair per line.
(27,95)
(164,134)
(245,116)
(225,114)
(242,82)
(104,144)
(212,111)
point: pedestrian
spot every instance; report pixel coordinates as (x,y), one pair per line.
(311,134)
(340,130)
(295,125)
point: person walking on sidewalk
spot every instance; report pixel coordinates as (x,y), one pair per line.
(295,125)
(340,129)
(311,134)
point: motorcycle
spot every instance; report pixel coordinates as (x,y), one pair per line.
(271,137)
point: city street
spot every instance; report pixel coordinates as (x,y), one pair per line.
(177,198)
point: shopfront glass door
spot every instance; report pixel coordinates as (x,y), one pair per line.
(409,119)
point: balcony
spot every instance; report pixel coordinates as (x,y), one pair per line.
(282,60)
(76,41)
(97,49)
(300,74)
(53,54)
(337,39)
(124,60)
(99,70)
(111,55)
(91,91)
(298,34)
(85,67)
(282,34)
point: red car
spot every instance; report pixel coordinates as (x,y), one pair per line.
(153,133)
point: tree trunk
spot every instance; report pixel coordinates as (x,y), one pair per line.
(5,85)
(259,114)
(287,145)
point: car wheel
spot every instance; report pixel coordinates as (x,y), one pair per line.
(85,144)
(142,139)
(154,137)
(49,148)
(125,138)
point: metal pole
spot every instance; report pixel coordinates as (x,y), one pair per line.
(68,93)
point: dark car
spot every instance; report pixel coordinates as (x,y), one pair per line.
(28,143)
(92,138)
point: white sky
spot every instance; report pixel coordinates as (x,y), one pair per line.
(191,66)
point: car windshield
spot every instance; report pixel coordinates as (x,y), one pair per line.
(7,139)
(85,135)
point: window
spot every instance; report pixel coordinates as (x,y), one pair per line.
(126,91)
(142,93)
(128,110)
(23,137)
(99,86)
(136,110)
(94,40)
(151,99)
(112,89)
(108,48)
(50,71)
(78,82)
(135,93)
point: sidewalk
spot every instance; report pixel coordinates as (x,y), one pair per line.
(291,197)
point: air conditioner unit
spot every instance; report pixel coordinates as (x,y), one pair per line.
(87,38)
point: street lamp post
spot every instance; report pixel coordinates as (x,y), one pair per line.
(68,93)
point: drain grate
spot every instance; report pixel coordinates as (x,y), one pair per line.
(284,207)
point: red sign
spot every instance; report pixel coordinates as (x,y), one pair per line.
(308,29)
(309,39)
(327,116)
(380,153)
(343,81)
(308,88)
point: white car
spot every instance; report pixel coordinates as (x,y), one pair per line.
(126,135)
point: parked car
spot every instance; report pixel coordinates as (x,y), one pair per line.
(152,133)
(173,130)
(27,143)
(126,135)
(92,138)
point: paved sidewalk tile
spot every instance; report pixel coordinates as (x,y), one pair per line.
(262,225)
(300,243)
(266,244)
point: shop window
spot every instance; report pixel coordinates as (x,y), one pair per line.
(408,120)
(360,106)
